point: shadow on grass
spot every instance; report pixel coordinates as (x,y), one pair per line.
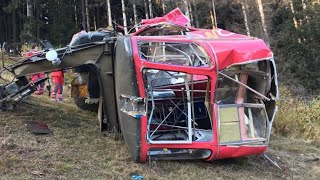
(57,114)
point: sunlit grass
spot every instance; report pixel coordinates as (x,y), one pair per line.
(298,117)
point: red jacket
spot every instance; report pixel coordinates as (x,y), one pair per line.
(31,53)
(58,76)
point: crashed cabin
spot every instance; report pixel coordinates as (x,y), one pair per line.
(174,92)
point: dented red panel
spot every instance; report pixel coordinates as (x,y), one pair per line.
(238,151)
(175,17)
(239,51)
(229,48)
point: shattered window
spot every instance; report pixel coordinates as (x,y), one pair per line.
(226,90)
(255,120)
(241,124)
(177,107)
(240,94)
(181,54)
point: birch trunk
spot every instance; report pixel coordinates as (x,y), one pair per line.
(212,19)
(29,9)
(304,6)
(195,14)
(295,22)
(163,7)
(135,16)
(263,22)
(150,9)
(109,14)
(146,8)
(215,24)
(191,15)
(244,12)
(75,14)
(30,17)
(83,14)
(186,7)
(124,17)
(87,15)
(95,22)
(37,18)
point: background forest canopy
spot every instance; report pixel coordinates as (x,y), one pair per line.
(290,27)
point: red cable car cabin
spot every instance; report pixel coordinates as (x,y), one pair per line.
(194,93)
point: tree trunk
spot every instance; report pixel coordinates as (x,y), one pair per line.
(244,12)
(163,7)
(83,13)
(109,14)
(8,25)
(150,9)
(135,16)
(21,22)
(124,17)
(6,31)
(304,7)
(186,8)
(87,15)
(146,9)
(30,17)
(212,19)
(14,26)
(29,9)
(98,17)
(295,22)
(263,22)
(95,22)
(215,24)
(191,14)
(37,18)
(195,14)
(75,14)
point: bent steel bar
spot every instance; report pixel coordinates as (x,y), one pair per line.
(252,90)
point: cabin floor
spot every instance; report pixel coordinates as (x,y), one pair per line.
(77,150)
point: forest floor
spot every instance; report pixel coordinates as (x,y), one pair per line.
(77,150)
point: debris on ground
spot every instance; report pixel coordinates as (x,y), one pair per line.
(38,127)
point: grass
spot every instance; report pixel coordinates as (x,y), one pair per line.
(77,150)
(298,117)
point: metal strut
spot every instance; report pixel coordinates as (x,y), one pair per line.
(271,161)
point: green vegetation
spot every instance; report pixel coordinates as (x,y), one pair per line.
(298,118)
(297,46)
(291,27)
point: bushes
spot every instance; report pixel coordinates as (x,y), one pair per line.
(298,117)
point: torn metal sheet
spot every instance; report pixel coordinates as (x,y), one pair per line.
(133,106)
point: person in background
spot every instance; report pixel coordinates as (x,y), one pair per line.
(36,77)
(58,81)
